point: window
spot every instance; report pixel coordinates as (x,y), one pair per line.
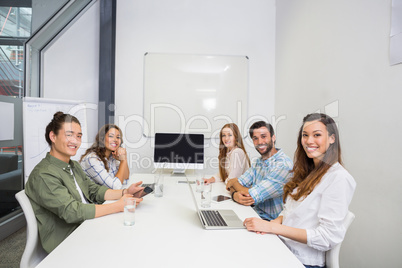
(44,35)
(15,29)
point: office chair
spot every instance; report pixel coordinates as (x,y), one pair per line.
(33,253)
(332,256)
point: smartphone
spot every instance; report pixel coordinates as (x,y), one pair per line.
(147,190)
(221,198)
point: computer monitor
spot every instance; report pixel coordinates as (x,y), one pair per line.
(179,151)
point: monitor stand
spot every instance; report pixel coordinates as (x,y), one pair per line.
(178,172)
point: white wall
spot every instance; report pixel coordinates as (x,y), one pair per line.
(226,27)
(71,65)
(334,54)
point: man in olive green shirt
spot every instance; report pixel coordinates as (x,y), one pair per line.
(61,195)
(56,201)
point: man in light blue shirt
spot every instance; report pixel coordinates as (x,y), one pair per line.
(261,186)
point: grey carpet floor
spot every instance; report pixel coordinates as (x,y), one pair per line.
(11,249)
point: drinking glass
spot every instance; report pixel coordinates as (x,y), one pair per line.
(206,195)
(158,191)
(129,211)
(199,181)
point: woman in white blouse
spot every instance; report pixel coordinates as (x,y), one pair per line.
(105,162)
(316,198)
(233,158)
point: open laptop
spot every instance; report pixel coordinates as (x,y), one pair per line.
(217,219)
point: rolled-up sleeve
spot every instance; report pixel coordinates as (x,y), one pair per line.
(332,212)
(52,195)
(272,184)
(247,178)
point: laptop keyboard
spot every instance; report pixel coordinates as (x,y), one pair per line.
(213,218)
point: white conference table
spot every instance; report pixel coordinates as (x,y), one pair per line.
(168,233)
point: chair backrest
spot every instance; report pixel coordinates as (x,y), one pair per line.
(33,253)
(332,256)
(9,162)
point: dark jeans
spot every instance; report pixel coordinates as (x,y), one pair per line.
(313,266)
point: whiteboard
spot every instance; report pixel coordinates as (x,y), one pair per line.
(37,114)
(194,93)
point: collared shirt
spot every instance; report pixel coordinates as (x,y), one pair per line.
(266,179)
(56,201)
(322,214)
(95,169)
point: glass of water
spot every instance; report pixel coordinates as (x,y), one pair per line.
(158,191)
(129,211)
(206,195)
(199,181)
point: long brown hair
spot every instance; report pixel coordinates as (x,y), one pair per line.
(306,175)
(223,150)
(98,147)
(59,118)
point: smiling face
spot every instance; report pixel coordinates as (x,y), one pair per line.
(316,140)
(112,140)
(228,138)
(67,142)
(263,142)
